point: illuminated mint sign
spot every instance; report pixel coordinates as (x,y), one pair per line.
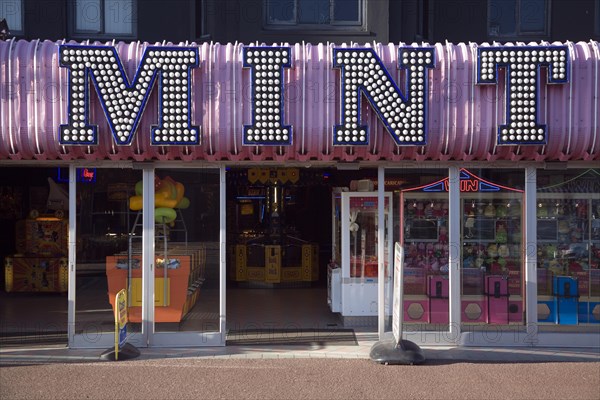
(403,114)
(123,101)
(362,74)
(522,86)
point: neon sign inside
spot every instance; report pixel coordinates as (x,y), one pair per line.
(469,183)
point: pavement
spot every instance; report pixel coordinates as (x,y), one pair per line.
(38,354)
(319,370)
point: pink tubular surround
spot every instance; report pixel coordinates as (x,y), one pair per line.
(462,119)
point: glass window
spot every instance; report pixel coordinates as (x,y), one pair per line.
(315,13)
(34,250)
(12,11)
(492,275)
(568,246)
(104,17)
(421,226)
(107,250)
(517,17)
(199,18)
(597,19)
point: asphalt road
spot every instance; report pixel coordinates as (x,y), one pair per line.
(201,378)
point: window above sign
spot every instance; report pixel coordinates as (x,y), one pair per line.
(101,18)
(12,11)
(314,14)
(517,18)
(597,19)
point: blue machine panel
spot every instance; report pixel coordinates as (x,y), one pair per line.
(566,297)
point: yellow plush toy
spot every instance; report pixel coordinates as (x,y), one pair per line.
(168,195)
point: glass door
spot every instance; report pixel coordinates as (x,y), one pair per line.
(492,271)
(186,274)
(101,262)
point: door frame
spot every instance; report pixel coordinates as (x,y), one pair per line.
(148,337)
(180,339)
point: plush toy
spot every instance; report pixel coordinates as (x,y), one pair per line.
(559,209)
(437,210)
(446,250)
(502,262)
(444,268)
(503,251)
(443,234)
(438,250)
(445,209)
(168,196)
(492,250)
(419,212)
(582,211)
(555,267)
(551,251)
(479,210)
(429,249)
(563,227)
(435,265)
(468,262)
(501,211)
(574,266)
(412,250)
(429,210)
(480,263)
(501,235)
(469,225)
(490,211)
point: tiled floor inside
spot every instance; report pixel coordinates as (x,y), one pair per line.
(248,309)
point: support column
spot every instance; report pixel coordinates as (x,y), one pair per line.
(222,253)
(72,261)
(381,243)
(454,242)
(148,254)
(530,248)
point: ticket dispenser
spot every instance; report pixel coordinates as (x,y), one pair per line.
(438,293)
(566,298)
(496,291)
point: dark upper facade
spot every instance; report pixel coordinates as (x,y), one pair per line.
(295,21)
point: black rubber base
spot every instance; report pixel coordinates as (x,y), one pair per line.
(391,352)
(128,352)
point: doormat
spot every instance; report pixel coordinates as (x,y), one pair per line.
(292,337)
(17,339)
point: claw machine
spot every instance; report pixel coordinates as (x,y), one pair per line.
(491,272)
(353,273)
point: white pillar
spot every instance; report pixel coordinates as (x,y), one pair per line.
(381,243)
(222,254)
(72,261)
(148,254)
(530,247)
(454,242)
